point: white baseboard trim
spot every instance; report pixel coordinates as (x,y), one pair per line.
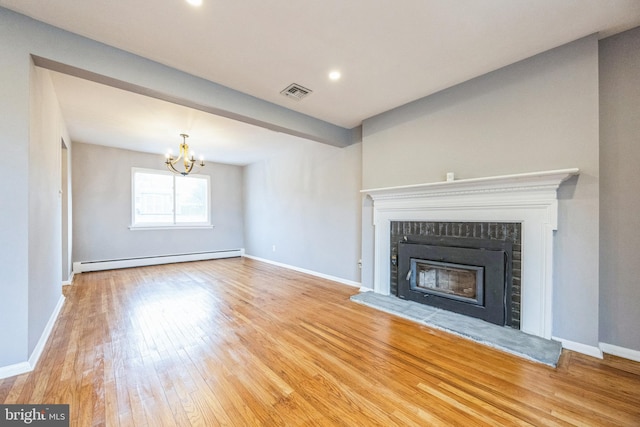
(15,369)
(69,281)
(86,266)
(37,351)
(311,272)
(615,350)
(24,367)
(589,350)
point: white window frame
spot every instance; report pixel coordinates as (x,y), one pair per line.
(167,225)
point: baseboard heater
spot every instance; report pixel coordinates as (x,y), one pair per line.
(86,266)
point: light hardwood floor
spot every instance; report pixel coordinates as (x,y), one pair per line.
(242,343)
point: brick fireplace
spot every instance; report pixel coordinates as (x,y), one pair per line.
(527,201)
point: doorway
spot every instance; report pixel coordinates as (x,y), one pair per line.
(65,199)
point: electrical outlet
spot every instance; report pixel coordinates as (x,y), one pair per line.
(273,248)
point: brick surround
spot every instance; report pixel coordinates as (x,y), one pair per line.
(502,231)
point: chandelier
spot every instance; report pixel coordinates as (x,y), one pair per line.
(188,160)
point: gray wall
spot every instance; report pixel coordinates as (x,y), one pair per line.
(306,202)
(45,204)
(619,195)
(102,208)
(538,114)
(30,219)
(14,176)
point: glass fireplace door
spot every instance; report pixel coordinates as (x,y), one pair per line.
(449,280)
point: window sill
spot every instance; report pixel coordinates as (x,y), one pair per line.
(169,227)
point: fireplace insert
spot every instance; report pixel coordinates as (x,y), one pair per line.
(467,276)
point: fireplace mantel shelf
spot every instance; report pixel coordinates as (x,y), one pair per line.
(529,198)
(532,180)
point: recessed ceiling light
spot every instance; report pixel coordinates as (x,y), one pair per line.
(195,2)
(335,75)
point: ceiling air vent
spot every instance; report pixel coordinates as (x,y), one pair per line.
(295,91)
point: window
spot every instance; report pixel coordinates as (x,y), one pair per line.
(162,199)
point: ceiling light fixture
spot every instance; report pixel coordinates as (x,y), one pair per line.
(189,159)
(195,2)
(334,75)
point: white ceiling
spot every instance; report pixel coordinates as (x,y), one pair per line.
(389,52)
(99,114)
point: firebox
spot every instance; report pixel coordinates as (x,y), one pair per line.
(467,276)
(456,281)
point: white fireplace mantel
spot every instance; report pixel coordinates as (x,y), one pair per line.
(528,198)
